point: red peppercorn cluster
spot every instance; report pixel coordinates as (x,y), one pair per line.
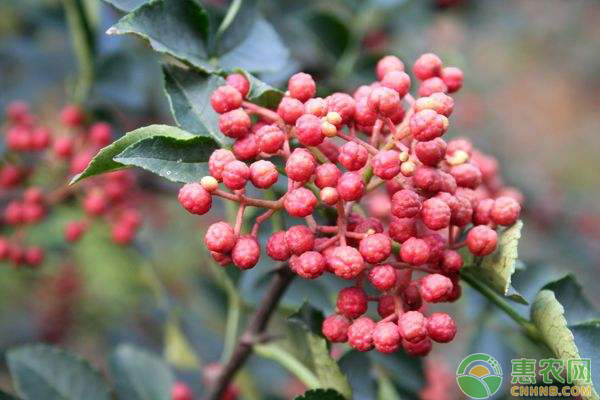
(404,196)
(34,153)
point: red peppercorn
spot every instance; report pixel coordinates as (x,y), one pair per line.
(300,165)
(308,130)
(435,287)
(387,64)
(441,327)
(360,334)
(220,237)
(412,326)
(302,86)
(239,82)
(505,211)
(375,248)
(353,156)
(235,174)
(245,252)
(194,198)
(383,277)
(335,328)
(482,240)
(300,202)
(263,174)
(351,186)
(414,251)
(346,262)
(299,239)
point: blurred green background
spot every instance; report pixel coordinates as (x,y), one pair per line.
(530,98)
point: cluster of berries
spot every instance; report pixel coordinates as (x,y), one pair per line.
(404,197)
(34,154)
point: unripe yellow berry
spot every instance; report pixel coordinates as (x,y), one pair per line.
(209,183)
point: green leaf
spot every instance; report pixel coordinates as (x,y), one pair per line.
(177,28)
(330,32)
(407,372)
(237,23)
(140,375)
(308,318)
(327,370)
(178,160)
(126,5)
(177,349)
(357,368)
(320,394)
(260,51)
(49,373)
(189,96)
(496,269)
(261,93)
(103,161)
(6,396)
(569,326)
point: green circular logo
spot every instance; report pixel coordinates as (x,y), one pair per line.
(479,376)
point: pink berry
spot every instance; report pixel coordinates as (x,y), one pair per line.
(235,123)
(453,78)
(301,165)
(441,327)
(435,214)
(411,297)
(386,305)
(351,186)
(245,252)
(329,196)
(427,66)
(398,81)
(246,148)
(41,138)
(482,240)
(220,237)
(327,175)
(17,111)
(452,261)
(335,328)
(316,106)
(481,214)
(96,203)
(386,164)
(419,349)
(63,147)
(122,234)
(431,152)
(360,334)
(431,86)
(310,265)
(290,109)
(263,174)
(225,98)
(101,133)
(375,248)
(505,211)
(270,138)
(412,326)
(444,104)
(300,202)
(467,175)
(353,156)
(387,64)
(414,251)
(10,176)
(402,229)
(74,230)
(364,115)
(308,130)
(383,277)
(302,86)
(343,104)
(217,161)
(386,337)
(194,198)
(435,287)
(181,391)
(299,239)
(406,204)
(427,125)
(384,101)
(71,115)
(277,247)
(346,262)
(34,256)
(352,302)
(239,82)
(427,179)
(235,175)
